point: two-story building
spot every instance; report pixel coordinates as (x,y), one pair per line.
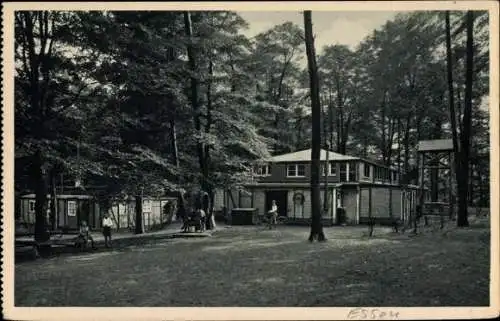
(361,187)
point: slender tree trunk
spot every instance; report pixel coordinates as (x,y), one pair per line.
(435,162)
(406,143)
(471,183)
(330,117)
(316,225)
(139,226)
(340,108)
(40,198)
(298,129)
(53,197)
(462,219)
(451,100)
(172,108)
(173,141)
(194,88)
(203,151)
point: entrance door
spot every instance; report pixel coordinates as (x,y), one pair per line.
(281,198)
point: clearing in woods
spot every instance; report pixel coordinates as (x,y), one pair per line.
(247,266)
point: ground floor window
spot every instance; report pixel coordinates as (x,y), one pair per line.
(71,208)
(31,206)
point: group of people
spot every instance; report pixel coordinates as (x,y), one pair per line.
(84,235)
(194,212)
(196,218)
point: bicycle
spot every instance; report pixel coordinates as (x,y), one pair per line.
(266,219)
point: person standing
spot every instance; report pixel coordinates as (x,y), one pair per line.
(107,224)
(273,214)
(201,215)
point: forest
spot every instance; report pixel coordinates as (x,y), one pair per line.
(158,101)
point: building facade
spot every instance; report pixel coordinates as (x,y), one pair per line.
(361,187)
(72,209)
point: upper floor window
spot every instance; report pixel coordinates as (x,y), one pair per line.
(343,172)
(367,170)
(394,177)
(378,173)
(263,170)
(332,169)
(296,170)
(353,166)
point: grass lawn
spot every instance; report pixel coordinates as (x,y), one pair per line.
(248,266)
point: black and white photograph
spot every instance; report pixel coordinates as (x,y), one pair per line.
(254,155)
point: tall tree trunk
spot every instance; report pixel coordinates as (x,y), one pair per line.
(194,88)
(40,198)
(471,182)
(330,117)
(53,198)
(341,127)
(201,149)
(451,100)
(399,150)
(172,107)
(173,141)
(298,130)
(207,185)
(406,143)
(139,226)
(316,225)
(462,219)
(435,163)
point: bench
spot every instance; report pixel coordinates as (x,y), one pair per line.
(54,237)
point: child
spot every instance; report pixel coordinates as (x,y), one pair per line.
(201,216)
(106,230)
(84,235)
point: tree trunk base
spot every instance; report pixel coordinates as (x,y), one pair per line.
(320,237)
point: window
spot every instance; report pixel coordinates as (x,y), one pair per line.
(333,169)
(367,170)
(343,172)
(296,170)
(353,171)
(394,177)
(382,174)
(263,170)
(31,205)
(71,208)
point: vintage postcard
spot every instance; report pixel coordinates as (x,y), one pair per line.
(250,160)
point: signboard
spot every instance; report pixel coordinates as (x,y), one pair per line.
(146,206)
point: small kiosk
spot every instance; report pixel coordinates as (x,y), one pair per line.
(436,158)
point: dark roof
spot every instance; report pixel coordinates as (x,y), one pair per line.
(305,156)
(435,145)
